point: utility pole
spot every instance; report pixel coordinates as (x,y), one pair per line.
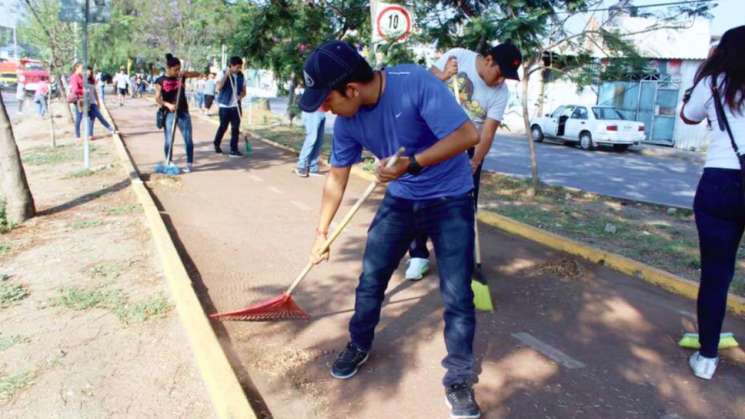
(86,89)
(371,54)
(15,45)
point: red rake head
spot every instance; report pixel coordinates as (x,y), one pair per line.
(278,308)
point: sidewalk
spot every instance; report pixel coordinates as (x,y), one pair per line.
(567,339)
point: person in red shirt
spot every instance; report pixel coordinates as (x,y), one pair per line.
(77,96)
(40,98)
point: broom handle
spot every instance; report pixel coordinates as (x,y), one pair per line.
(344,222)
(240,108)
(477,248)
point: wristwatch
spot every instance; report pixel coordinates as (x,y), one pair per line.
(414,167)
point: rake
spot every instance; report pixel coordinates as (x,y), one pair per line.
(167,167)
(283,307)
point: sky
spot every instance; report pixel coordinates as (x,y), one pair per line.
(727,14)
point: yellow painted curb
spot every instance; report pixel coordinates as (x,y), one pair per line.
(225,390)
(666,280)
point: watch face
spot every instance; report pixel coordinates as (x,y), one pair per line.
(414,167)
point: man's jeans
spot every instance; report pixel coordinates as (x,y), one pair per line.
(315,123)
(184,125)
(93,114)
(229,116)
(449,222)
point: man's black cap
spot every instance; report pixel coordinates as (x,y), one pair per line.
(327,66)
(509,59)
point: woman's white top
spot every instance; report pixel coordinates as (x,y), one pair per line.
(701,106)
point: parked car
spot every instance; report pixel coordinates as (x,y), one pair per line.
(588,126)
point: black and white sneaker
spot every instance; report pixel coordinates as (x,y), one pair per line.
(348,362)
(461,401)
(218,150)
(235,153)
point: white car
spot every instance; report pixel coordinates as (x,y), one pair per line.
(588,126)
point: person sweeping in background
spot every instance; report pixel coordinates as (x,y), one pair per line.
(430,191)
(484,96)
(232,88)
(719,206)
(170,91)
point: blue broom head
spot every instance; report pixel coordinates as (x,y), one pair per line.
(168,169)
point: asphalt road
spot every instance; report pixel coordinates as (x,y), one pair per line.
(11,104)
(630,175)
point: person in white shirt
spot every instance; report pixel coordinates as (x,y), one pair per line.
(719,206)
(484,96)
(121,83)
(20,89)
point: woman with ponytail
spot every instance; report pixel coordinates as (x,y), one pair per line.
(719,96)
(170,94)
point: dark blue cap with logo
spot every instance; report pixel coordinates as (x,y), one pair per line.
(327,66)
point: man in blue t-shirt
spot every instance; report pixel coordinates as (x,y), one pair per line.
(429,191)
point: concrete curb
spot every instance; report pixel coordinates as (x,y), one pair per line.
(666,280)
(225,390)
(658,277)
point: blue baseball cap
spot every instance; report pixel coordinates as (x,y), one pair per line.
(327,66)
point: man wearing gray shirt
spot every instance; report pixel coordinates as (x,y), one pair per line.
(484,96)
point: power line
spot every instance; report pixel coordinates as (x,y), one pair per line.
(644,6)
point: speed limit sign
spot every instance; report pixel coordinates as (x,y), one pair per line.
(392,23)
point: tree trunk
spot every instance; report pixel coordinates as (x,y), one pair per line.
(51,119)
(291,101)
(63,95)
(542,97)
(535,181)
(19,205)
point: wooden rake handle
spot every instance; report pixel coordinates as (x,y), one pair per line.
(344,222)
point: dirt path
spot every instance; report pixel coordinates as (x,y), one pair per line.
(568,339)
(91,332)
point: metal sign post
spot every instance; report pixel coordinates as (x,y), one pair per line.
(80,11)
(371,53)
(86,88)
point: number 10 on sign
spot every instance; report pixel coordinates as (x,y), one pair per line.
(392,22)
